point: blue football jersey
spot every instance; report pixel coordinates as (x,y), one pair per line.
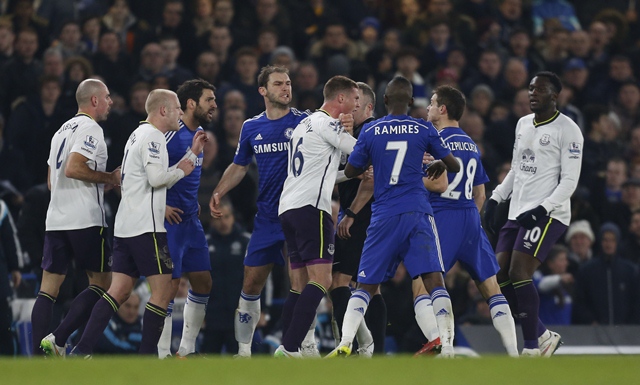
(268,141)
(459,194)
(395,146)
(184,194)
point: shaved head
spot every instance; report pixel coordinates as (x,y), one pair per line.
(87,89)
(157,99)
(399,92)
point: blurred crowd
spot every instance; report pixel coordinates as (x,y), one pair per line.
(489,49)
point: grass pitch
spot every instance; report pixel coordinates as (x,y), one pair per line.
(396,370)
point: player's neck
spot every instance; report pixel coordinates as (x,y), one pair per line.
(275,113)
(332,109)
(190,122)
(84,111)
(442,124)
(156,123)
(544,116)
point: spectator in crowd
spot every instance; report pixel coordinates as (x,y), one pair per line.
(490,73)
(177,73)
(630,247)
(245,80)
(124,332)
(10,276)
(203,17)
(152,63)
(520,48)
(580,45)
(91,33)
(208,68)
(555,284)
(599,145)
(6,42)
(131,32)
(606,287)
(53,63)
(620,212)
(267,41)
(334,42)
(113,63)
(173,23)
(580,239)
(560,10)
(627,106)
(608,190)
(219,42)
(70,40)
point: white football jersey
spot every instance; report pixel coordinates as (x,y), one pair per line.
(142,206)
(76,204)
(314,156)
(545,168)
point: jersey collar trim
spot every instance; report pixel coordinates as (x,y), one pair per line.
(551,119)
(321,110)
(85,114)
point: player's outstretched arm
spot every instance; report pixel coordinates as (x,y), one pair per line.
(160,177)
(230,179)
(77,168)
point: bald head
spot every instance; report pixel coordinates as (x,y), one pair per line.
(87,89)
(399,92)
(157,99)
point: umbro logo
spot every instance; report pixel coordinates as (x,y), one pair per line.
(258,137)
(362,274)
(527,244)
(359,309)
(442,312)
(499,314)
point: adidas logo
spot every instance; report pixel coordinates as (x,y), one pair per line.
(499,314)
(442,312)
(258,137)
(359,309)
(362,274)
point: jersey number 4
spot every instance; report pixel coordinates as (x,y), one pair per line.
(470,172)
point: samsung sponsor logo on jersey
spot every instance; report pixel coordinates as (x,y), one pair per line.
(270,147)
(462,146)
(395,130)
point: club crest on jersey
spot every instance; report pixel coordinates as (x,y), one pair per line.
(91,142)
(288,133)
(331,249)
(154,147)
(545,140)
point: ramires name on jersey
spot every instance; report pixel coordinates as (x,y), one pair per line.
(399,129)
(462,146)
(270,147)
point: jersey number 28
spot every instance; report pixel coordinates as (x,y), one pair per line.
(470,171)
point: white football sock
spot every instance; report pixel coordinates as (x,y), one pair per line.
(356,309)
(425,317)
(247,317)
(194,311)
(444,315)
(504,323)
(164,343)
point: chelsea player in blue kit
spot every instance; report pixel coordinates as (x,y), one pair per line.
(402,227)
(185,236)
(456,211)
(265,136)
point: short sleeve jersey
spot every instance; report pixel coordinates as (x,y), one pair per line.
(459,193)
(395,146)
(268,140)
(314,158)
(184,194)
(142,206)
(76,204)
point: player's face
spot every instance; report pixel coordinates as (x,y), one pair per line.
(174,113)
(104,103)
(278,90)
(359,115)
(541,94)
(351,102)
(205,108)
(434,109)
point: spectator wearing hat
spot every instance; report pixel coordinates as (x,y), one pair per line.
(580,239)
(437,49)
(575,73)
(606,287)
(369,35)
(630,247)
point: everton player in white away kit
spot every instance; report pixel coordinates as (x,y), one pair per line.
(402,228)
(140,242)
(75,217)
(547,157)
(305,204)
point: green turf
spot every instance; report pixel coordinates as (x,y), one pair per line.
(397,370)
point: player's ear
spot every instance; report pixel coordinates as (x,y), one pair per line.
(411,102)
(262,91)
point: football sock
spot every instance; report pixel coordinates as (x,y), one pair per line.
(101,314)
(356,308)
(164,343)
(247,317)
(194,311)
(510,295)
(363,335)
(340,298)
(376,319)
(152,325)
(504,323)
(425,317)
(41,320)
(528,303)
(444,315)
(287,309)
(303,315)
(310,337)
(79,313)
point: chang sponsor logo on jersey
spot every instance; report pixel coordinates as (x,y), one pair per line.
(528,157)
(270,147)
